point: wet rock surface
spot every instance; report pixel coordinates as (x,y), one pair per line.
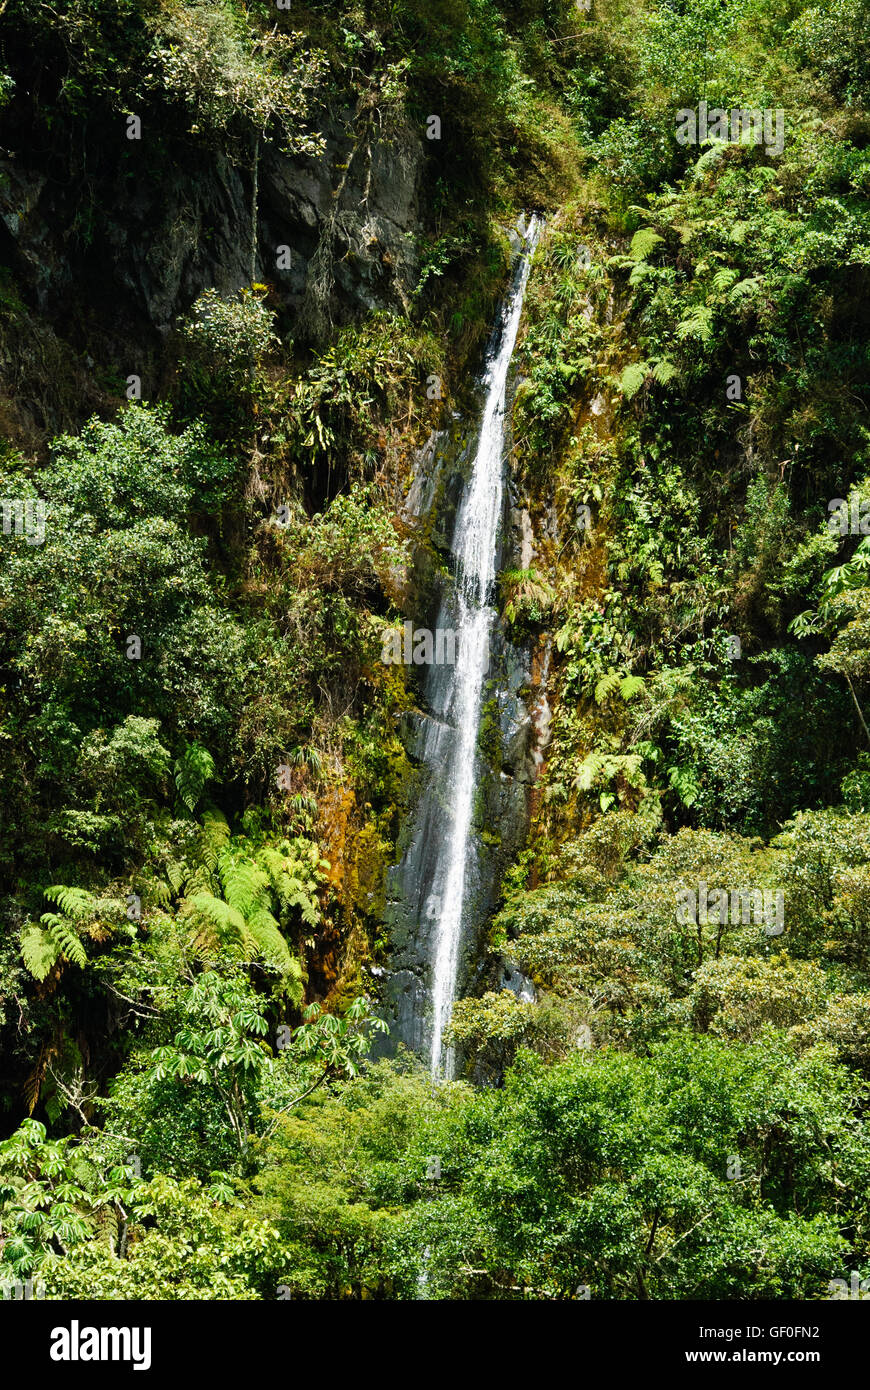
(507,762)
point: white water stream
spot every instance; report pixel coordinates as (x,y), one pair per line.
(475,543)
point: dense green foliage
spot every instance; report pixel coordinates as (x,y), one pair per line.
(203,779)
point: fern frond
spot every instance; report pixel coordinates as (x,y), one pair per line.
(61,931)
(203,941)
(160,892)
(308,905)
(606,687)
(244,884)
(632,379)
(589,771)
(226,921)
(31,1088)
(643,243)
(176,872)
(699,324)
(274,865)
(269,942)
(642,271)
(708,160)
(647,749)
(746,287)
(38,951)
(664,371)
(212,839)
(199,880)
(193,769)
(76,903)
(630,686)
(294,875)
(684,783)
(724,279)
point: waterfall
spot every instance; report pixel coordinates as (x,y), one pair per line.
(442,888)
(474,547)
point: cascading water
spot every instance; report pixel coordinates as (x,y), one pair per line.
(442,889)
(475,542)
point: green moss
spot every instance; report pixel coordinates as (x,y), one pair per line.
(489,738)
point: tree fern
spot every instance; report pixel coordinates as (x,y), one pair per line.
(245,885)
(235,889)
(211,842)
(210,912)
(270,944)
(275,866)
(294,873)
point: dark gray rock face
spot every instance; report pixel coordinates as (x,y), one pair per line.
(111,273)
(366,224)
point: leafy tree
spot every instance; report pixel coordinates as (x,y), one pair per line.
(631,1177)
(187,1242)
(56,1195)
(833,39)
